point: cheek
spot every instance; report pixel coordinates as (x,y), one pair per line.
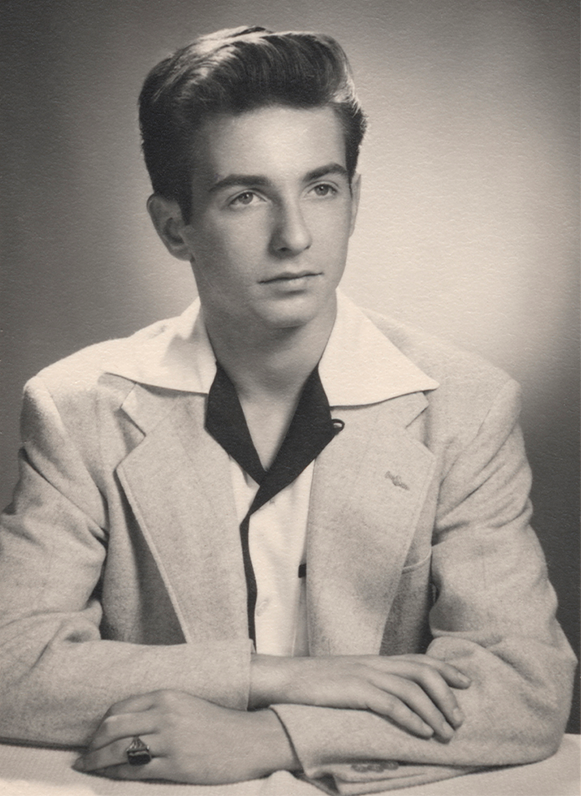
(231,258)
(333,220)
(240,239)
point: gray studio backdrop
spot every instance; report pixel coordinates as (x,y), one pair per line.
(468,219)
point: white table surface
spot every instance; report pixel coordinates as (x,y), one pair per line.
(27,771)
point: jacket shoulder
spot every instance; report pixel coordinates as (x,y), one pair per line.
(89,369)
(443,361)
(78,397)
(470,389)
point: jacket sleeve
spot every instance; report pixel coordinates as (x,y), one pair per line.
(493,618)
(58,676)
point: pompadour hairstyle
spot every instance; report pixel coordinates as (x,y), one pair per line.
(233,71)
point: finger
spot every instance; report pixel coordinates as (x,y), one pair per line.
(134,704)
(115,754)
(433,681)
(123,725)
(415,698)
(453,676)
(152,771)
(441,695)
(392,707)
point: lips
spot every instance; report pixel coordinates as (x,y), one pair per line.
(289,276)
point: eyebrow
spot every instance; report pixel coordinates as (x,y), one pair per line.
(249,180)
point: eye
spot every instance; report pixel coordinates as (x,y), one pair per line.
(244,199)
(324,189)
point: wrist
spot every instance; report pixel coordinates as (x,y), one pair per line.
(271,748)
(268,679)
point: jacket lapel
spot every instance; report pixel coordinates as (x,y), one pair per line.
(178,483)
(369,487)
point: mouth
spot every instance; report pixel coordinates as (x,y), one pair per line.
(290,277)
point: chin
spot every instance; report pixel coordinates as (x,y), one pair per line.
(288,321)
(296,310)
(290,314)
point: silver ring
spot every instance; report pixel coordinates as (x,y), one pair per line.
(138,753)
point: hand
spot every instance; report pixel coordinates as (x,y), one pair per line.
(414,691)
(191,740)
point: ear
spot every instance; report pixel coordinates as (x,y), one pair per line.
(169,224)
(355,193)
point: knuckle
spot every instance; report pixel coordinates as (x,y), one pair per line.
(432,677)
(396,709)
(118,749)
(419,672)
(412,687)
(412,691)
(391,702)
(401,712)
(108,725)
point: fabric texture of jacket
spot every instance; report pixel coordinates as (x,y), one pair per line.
(121,569)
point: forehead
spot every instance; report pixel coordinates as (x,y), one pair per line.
(275,142)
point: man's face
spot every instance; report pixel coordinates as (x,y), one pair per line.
(272,214)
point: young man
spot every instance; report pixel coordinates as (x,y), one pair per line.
(276,532)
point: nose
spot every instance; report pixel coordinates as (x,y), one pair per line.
(291,234)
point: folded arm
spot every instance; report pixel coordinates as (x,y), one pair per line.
(493,618)
(58,673)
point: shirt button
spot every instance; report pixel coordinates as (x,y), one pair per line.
(262,606)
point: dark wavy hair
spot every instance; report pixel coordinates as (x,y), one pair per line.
(233,71)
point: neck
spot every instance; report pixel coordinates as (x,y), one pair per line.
(270,362)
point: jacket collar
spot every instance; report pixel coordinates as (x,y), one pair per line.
(359,366)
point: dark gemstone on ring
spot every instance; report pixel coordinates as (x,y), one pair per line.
(138,753)
(138,757)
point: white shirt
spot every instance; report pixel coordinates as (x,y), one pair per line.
(359,366)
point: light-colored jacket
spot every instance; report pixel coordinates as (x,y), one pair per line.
(121,570)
